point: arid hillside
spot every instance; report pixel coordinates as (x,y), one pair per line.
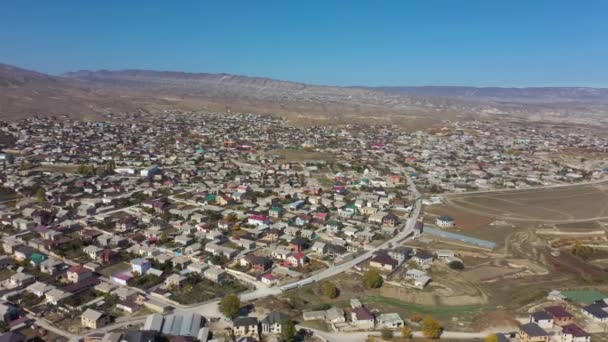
(90,94)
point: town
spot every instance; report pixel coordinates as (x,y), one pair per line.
(226,226)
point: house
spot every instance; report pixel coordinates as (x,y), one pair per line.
(273,323)
(297,259)
(23,253)
(269,279)
(21,279)
(92,251)
(39,288)
(245,326)
(335,315)
(422,258)
(445,221)
(542,318)
(390,220)
(108,256)
(258,220)
(193,248)
(319,247)
(383,262)
(76,274)
(596,312)
(363,318)
(560,315)
(56,296)
(37,258)
(50,266)
(276,212)
(141,266)
(182,239)
(298,244)
(175,280)
(273,234)
(401,254)
(216,275)
(8,312)
(574,333)
(93,319)
(390,320)
(122,278)
(124,293)
(531,332)
(258,263)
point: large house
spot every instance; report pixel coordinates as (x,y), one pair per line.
(245,326)
(93,319)
(363,318)
(531,332)
(273,323)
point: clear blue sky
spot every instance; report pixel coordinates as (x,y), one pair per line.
(424,42)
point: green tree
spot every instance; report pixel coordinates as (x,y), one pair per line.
(386,333)
(406,332)
(288,330)
(330,290)
(230,306)
(372,278)
(491,338)
(3,326)
(431,328)
(41,195)
(86,170)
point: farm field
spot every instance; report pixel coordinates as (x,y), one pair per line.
(550,205)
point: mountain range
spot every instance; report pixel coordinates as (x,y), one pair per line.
(90,94)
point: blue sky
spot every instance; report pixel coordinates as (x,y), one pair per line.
(425,42)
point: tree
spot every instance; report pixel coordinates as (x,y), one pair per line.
(386,333)
(456,265)
(86,170)
(430,327)
(491,338)
(230,306)
(288,330)
(330,290)
(406,332)
(41,194)
(3,326)
(372,278)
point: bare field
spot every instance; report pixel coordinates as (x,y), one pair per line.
(550,205)
(302,155)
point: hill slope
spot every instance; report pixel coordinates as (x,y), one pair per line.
(88,94)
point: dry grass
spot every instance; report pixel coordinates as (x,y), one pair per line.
(555,205)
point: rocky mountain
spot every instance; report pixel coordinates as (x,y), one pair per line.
(25,93)
(521,95)
(88,94)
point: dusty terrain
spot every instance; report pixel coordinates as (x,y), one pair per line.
(548,205)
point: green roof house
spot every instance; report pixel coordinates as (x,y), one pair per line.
(36,259)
